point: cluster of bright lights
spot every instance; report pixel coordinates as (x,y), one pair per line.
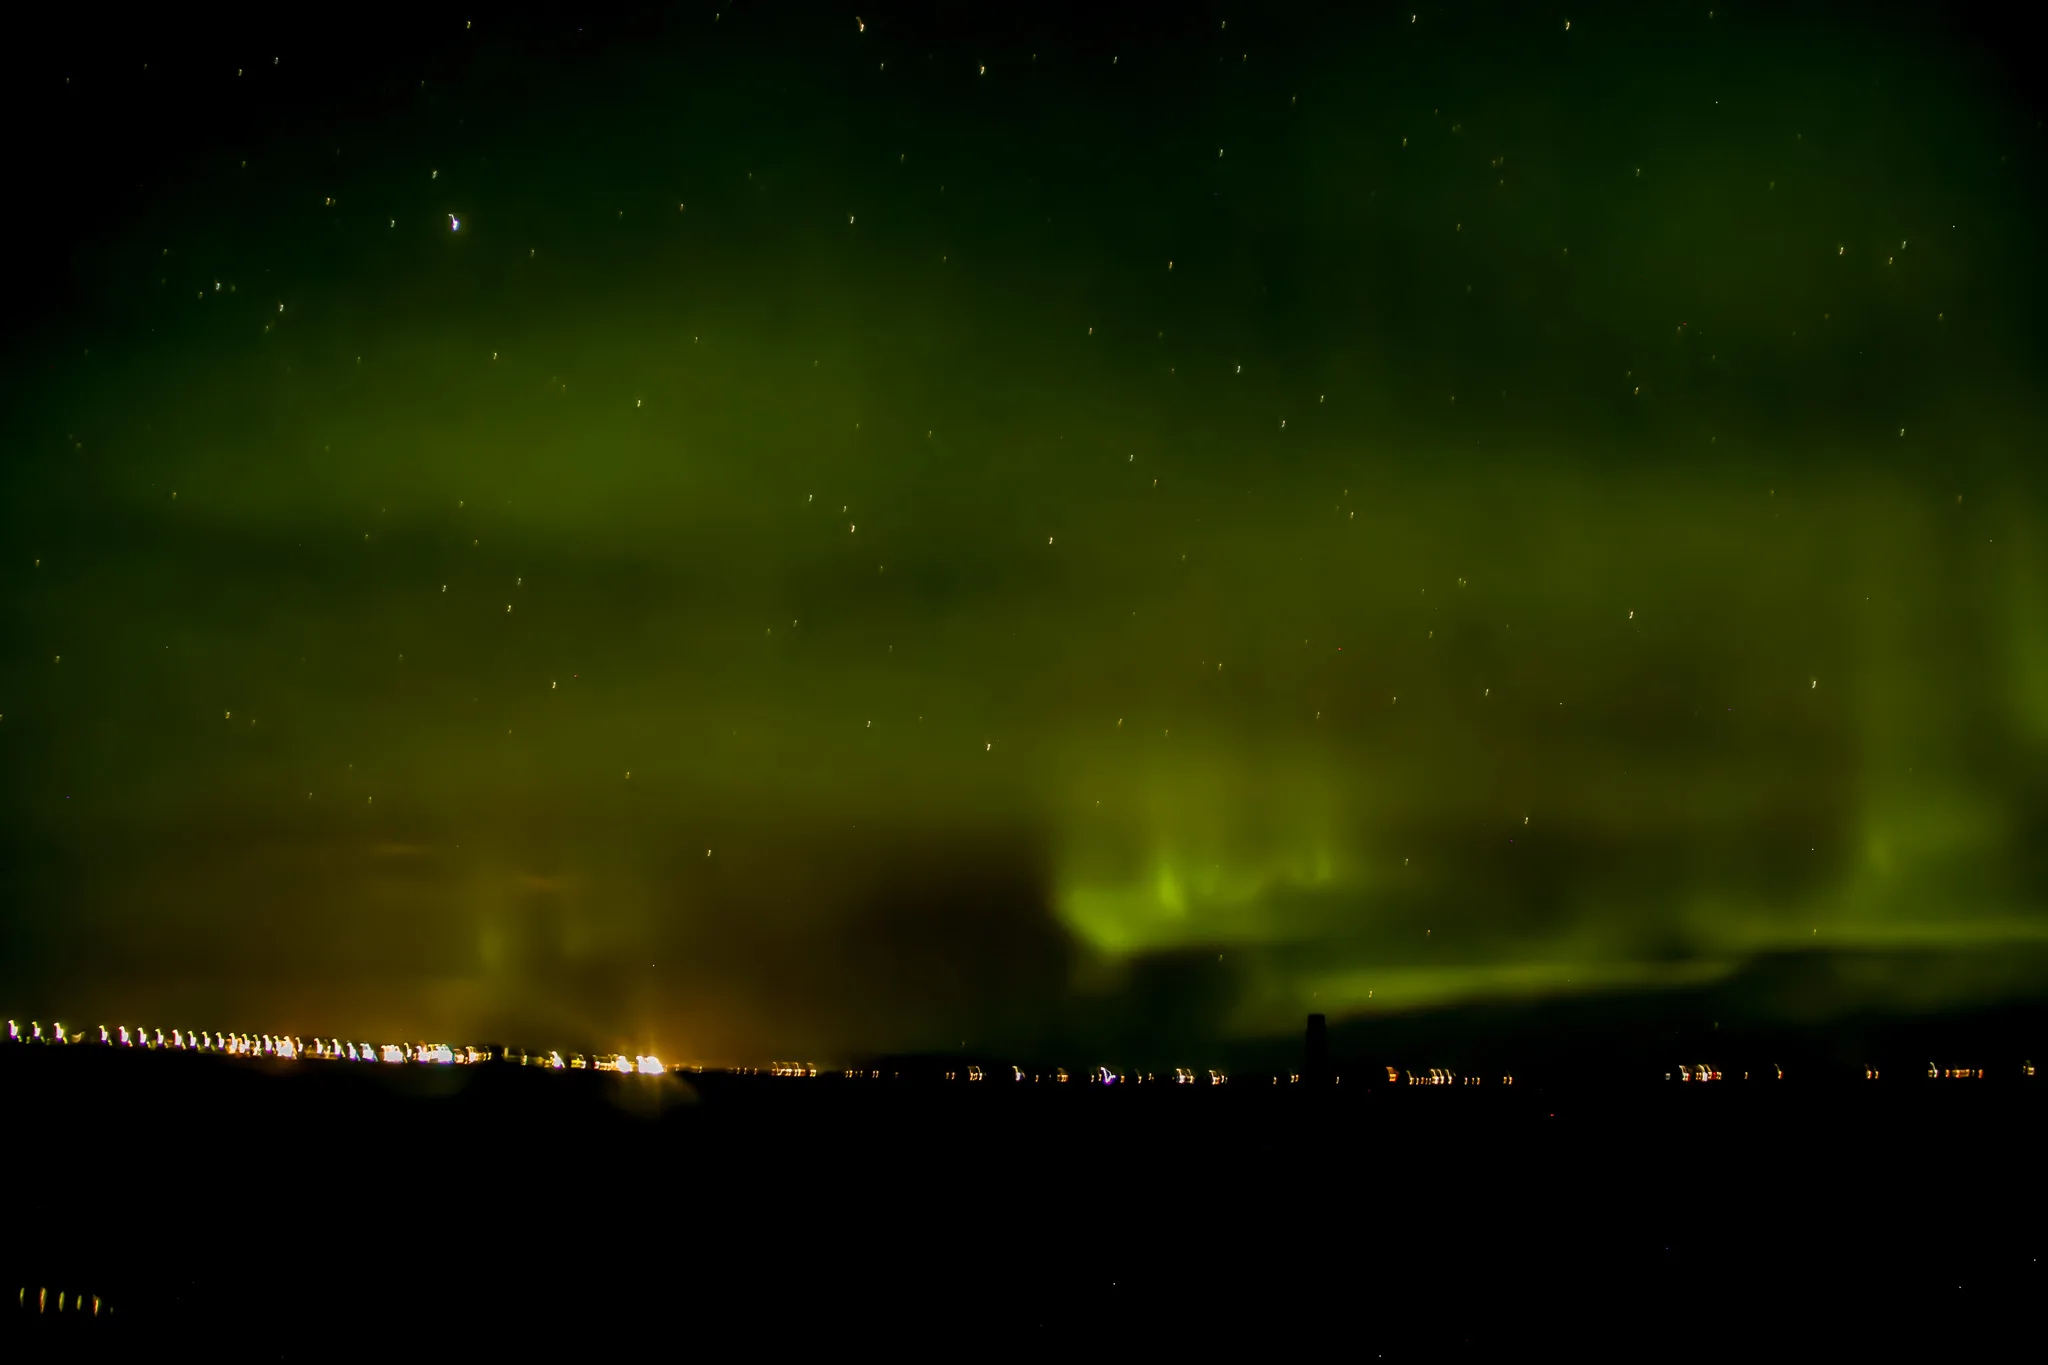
(1188,1076)
(288,1048)
(624,1065)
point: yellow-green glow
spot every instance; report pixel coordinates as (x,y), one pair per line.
(796,574)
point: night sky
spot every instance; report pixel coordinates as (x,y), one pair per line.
(748,532)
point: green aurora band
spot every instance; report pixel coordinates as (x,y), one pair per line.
(840,551)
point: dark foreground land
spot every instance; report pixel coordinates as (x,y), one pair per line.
(309,1210)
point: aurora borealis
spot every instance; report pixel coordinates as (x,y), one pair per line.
(755,532)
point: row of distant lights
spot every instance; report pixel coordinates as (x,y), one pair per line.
(76,1302)
(1102,1075)
(1953,1073)
(1703,1073)
(1438,1075)
(327,1049)
(1059,1075)
(1181,1076)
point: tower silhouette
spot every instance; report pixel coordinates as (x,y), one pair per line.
(1315,1058)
